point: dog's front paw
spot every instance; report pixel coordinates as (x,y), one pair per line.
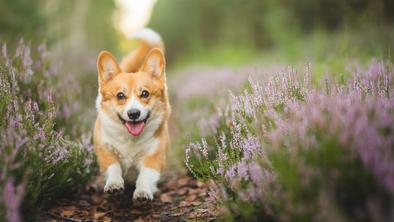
(114,185)
(142,197)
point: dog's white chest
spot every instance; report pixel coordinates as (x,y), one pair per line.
(130,150)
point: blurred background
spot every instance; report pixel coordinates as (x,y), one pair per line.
(219,31)
(212,47)
(212,43)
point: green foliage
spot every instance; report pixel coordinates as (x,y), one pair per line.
(91,23)
(21,18)
(283,31)
(328,174)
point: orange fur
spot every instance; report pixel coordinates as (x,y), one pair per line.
(104,157)
(134,60)
(157,160)
(131,77)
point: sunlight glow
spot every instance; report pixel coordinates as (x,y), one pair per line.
(132,14)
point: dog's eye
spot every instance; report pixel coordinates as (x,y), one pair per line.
(120,95)
(144,94)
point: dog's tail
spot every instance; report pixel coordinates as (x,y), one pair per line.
(148,39)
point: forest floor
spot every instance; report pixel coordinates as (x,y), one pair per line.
(180,198)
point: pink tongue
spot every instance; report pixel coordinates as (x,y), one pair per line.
(135,128)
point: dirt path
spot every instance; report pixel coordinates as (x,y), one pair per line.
(179,199)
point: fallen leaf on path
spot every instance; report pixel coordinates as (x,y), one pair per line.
(200,184)
(165,198)
(203,193)
(171,185)
(195,191)
(177,214)
(139,220)
(182,181)
(97,199)
(99,215)
(156,216)
(181,191)
(107,219)
(191,198)
(137,212)
(67,213)
(195,203)
(83,203)
(184,204)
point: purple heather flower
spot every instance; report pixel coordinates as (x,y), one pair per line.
(66,111)
(30,112)
(242,169)
(255,173)
(220,170)
(289,114)
(187,158)
(212,195)
(250,146)
(204,148)
(209,125)
(230,173)
(12,196)
(41,134)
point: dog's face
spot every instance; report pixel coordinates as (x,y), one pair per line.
(133,99)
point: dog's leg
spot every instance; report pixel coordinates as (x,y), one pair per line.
(149,175)
(110,167)
(114,182)
(146,184)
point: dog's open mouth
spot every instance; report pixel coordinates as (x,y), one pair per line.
(135,128)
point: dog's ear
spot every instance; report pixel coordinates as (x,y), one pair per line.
(154,63)
(107,66)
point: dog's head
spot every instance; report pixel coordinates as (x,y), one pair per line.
(133,99)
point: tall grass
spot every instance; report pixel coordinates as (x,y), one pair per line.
(290,150)
(40,156)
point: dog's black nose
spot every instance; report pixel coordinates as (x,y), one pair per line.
(133,114)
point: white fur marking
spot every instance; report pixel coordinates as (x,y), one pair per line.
(146,182)
(133,103)
(109,65)
(98,101)
(114,178)
(154,65)
(148,35)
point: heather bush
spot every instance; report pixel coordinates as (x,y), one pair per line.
(42,78)
(288,149)
(40,157)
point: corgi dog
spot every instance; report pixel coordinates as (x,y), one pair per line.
(131,130)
